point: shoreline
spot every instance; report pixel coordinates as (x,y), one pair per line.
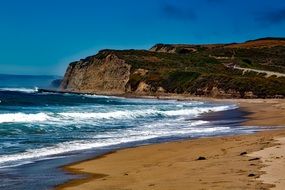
(162,96)
(260,110)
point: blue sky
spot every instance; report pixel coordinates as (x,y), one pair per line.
(43,36)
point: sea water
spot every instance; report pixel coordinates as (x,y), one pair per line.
(36,127)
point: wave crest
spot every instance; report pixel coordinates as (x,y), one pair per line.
(23,118)
(26,90)
(120,114)
(126,114)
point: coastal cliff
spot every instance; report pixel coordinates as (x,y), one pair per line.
(254,69)
(109,75)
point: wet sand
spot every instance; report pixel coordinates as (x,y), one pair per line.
(235,162)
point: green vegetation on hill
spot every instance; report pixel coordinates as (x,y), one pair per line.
(267,58)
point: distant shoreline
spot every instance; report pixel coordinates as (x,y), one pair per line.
(105,177)
(162,96)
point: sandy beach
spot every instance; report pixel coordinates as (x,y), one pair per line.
(254,161)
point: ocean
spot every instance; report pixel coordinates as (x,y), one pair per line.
(39,132)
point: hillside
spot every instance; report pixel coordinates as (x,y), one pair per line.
(201,70)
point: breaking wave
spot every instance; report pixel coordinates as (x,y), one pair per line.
(23,118)
(110,139)
(41,126)
(121,114)
(26,90)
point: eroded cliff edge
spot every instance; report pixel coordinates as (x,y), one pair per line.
(107,76)
(199,70)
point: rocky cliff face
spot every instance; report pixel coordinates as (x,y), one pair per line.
(108,76)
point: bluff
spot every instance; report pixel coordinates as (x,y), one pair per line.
(253,69)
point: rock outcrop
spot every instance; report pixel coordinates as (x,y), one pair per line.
(92,75)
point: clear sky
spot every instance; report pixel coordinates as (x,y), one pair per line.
(43,36)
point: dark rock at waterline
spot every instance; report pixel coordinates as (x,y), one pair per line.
(243,153)
(252,159)
(201,158)
(251,175)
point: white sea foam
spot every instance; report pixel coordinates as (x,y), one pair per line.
(155,121)
(208,130)
(26,90)
(108,115)
(198,122)
(70,117)
(124,114)
(98,96)
(198,110)
(23,118)
(65,147)
(124,136)
(142,113)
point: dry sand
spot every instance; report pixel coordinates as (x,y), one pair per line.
(274,160)
(230,162)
